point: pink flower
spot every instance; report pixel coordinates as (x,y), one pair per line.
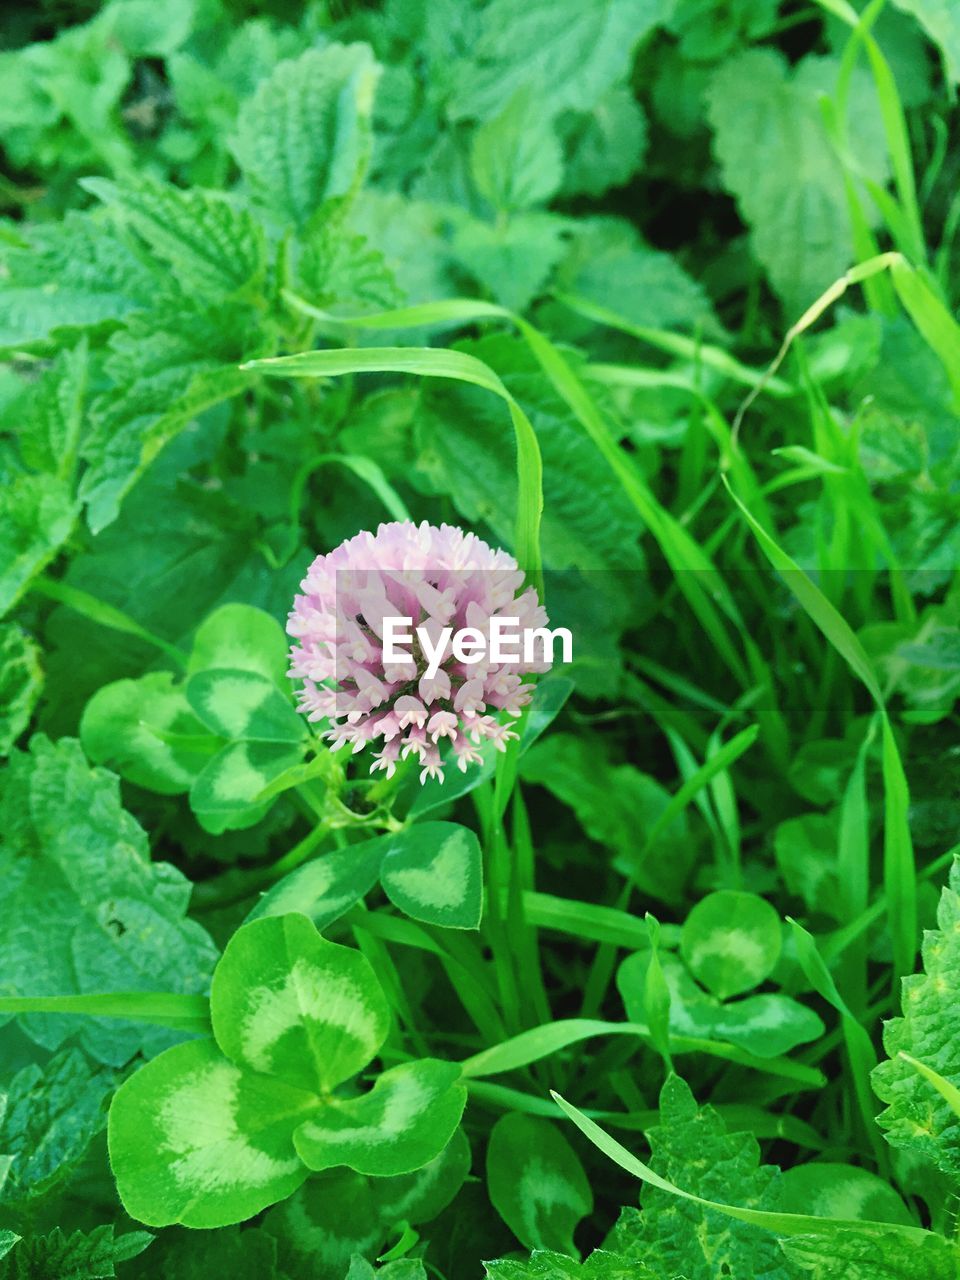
(438,578)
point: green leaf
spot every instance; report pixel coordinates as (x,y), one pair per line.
(511,259)
(243,706)
(731,941)
(52,1114)
(103,916)
(166,374)
(326,1222)
(213,247)
(515,157)
(767,131)
(21,682)
(196,1140)
(942,24)
(536,1183)
(289,1004)
(182,1254)
(224,796)
(146,731)
(37,516)
(547,1265)
(304,137)
(917,1117)
(326,887)
(574,51)
(406,1120)
(433,872)
(841,1191)
(604,145)
(242,638)
(764,1025)
(82,1255)
(850,1255)
(70,276)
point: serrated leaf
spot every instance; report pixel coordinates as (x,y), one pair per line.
(165,377)
(405,1121)
(82,1255)
(515,156)
(21,682)
(214,247)
(243,706)
(146,731)
(605,145)
(433,872)
(692,1149)
(848,1255)
(917,1118)
(536,1182)
(196,1140)
(572,49)
(37,516)
(289,1004)
(544,1264)
(304,137)
(512,259)
(467,445)
(102,916)
(51,1116)
(70,276)
(777,160)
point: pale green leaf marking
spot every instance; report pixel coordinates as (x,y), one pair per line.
(406,1119)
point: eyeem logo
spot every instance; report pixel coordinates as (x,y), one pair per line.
(505,643)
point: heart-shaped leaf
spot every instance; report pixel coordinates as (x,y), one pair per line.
(287,1003)
(433,872)
(406,1119)
(243,705)
(194,1139)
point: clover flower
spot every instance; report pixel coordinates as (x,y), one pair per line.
(443,580)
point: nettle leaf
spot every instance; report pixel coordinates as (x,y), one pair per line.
(146,731)
(212,245)
(731,941)
(103,917)
(244,705)
(572,49)
(616,805)
(434,872)
(305,135)
(604,145)
(691,1149)
(536,1182)
(849,1255)
(166,374)
(92,1255)
(288,1003)
(515,156)
(70,276)
(399,1269)
(917,1117)
(213,1131)
(242,638)
(21,682)
(406,1120)
(467,443)
(37,516)
(544,1264)
(196,1140)
(610,266)
(52,1114)
(511,259)
(767,131)
(7,1240)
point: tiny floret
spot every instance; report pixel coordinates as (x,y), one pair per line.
(411,638)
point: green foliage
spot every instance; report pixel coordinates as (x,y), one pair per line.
(212,1131)
(261,268)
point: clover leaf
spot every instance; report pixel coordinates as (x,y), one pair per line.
(212,1131)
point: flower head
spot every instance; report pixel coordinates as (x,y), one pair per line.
(444,581)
